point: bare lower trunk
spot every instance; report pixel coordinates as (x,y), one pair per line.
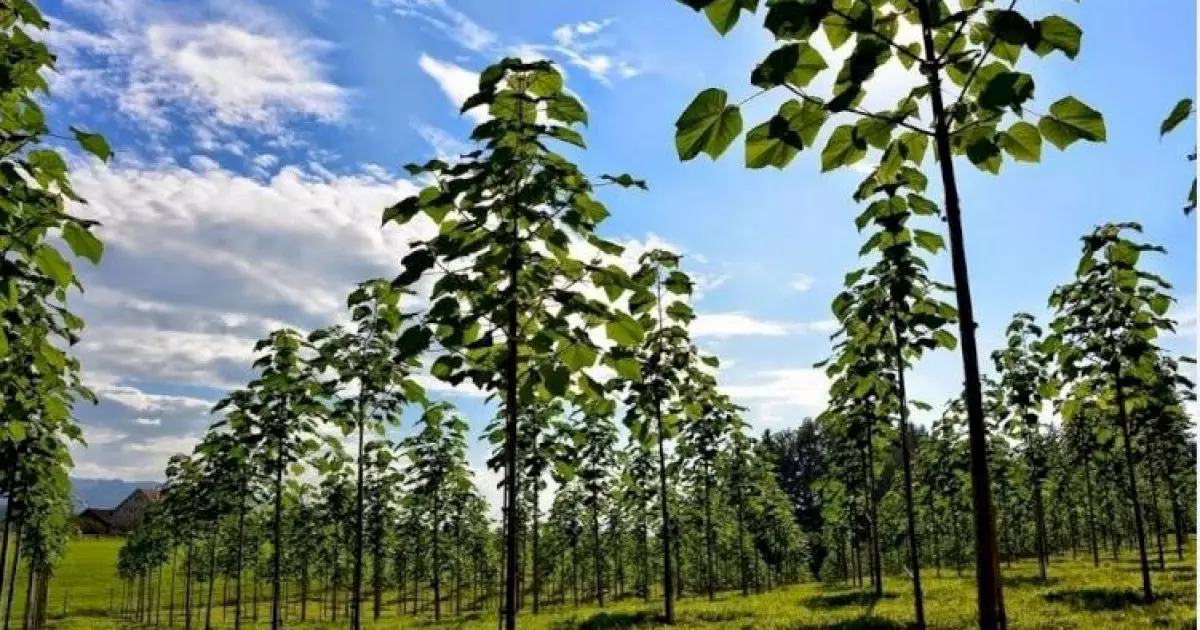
(1131,471)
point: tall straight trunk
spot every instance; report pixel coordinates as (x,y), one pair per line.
(212,577)
(336,580)
(437,564)
(1039,517)
(708,543)
(27,613)
(575,573)
(171,598)
(43,600)
(377,570)
(1091,512)
(678,569)
(356,589)
(1158,531)
(1176,513)
(872,513)
(989,590)
(187,586)
(1131,471)
(512,341)
(277,539)
(400,561)
(668,583)
(536,560)
(958,569)
(935,543)
(914,552)
(12,574)
(456,569)
(237,594)
(303,590)
(597,565)
(9,509)
(741,536)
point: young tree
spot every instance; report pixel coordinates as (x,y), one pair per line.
(1107,321)
(701,439)
(506,305)
(372,383)
(976,49)
(1024,384)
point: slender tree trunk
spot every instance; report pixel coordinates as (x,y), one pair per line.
(1158,531)
(277,539)
(12,574)
(9,509)
(598,566)
(512,332)
(1039,516)
(741,535)
(1131,471)
(872,513)
(668,584)
(988,582)
(914,552)
(212,577)
(187,586)
(377,569)
(1176,514)
(536,560)
(1091,513)
(437,565)
(708,542)
(303,590)
(237,596)
(356,589)
(27,613)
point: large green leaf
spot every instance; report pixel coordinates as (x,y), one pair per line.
(1056,33)
(93,143)
(843,149)
(52,264)
(82,242)
(567,109)
(577,357)
(708,125)
(724,14)
(1022,141)
(624,330)
(1070,120)
(796,64)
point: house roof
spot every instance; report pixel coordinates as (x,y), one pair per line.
(101,514)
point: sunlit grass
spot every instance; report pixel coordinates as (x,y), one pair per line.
(1076,595)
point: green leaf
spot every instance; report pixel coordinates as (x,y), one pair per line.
(52,264)
(773,143)
(82,242)
(933,243)
(1022,141)
(624,330)
(1056,33)
(570,136)
(628,369)
(93,143)
(679,283)
(1178,114)
(708,125)
(1070,120)
(566,109)
(843,149)
(577,357)
(724,14)
(945,339)
(556,380)
(796,64)
(545,82)
(16,431)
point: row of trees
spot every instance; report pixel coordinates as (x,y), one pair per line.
(39,378)
(521,298)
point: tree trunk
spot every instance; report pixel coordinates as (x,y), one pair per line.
(1158,531)
(741,535)
(377,570)
(708,542)
(237,596)
(356,589)
(277,539)
(1091,513)
(212,578)
(512,332)
(1039,516)
(536,561)
(1131,471)
(872,513)
(989,589)
(597,565)
(914,552)
(27,613)
(437,564)
(668,584)
(12,574)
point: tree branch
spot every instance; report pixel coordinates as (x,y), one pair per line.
(979,63)
(906,52)
(862,112)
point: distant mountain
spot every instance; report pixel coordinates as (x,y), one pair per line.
(104,493)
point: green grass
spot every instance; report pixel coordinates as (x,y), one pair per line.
(1076,595)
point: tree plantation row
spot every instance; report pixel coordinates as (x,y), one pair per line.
(334,486)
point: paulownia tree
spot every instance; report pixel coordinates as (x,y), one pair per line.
(969,86)
(1105,330)
(1025,382)
(508,306)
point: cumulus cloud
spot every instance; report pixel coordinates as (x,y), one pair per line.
(243,68)
(779,397)
(741,324)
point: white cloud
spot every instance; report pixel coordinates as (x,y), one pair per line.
(456,82)
(241,69)
(454,23)
(778,398)
(740,324)
(445,145)
(802,282)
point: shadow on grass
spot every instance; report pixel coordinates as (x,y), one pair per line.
(1030,580)
(1094,599)
(841,600)
(862,623)
(608,621)
(722,615)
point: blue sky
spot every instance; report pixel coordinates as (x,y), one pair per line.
(258,141)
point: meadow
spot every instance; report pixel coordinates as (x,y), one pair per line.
(85,594)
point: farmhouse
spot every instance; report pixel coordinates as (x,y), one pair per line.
(119,520)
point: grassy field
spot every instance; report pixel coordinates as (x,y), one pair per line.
(1077,595)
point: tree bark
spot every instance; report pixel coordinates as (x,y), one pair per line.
(356,590)
(1131,471)
(597,565)
(914,552)
(212,578)
(1039,516)
(277,539)
(708,542)
(988,581)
